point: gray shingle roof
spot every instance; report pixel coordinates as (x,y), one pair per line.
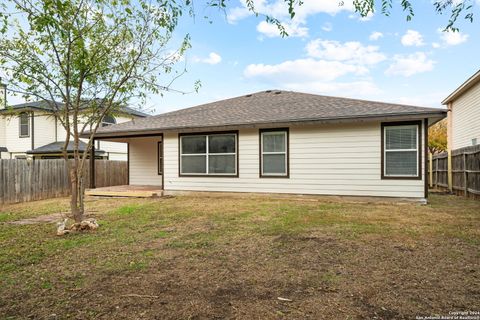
(3,149)
(44,106)
(56,147)
(272,106)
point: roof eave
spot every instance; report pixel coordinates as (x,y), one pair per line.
(390,117)
(15,109)
(59,152)
(470,82)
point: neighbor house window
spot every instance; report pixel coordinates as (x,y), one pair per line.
(212,154)
(401,150)
(160,157)
(108,120)
(274,153)
(24,121)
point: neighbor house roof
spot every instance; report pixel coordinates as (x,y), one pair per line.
(267,107)
(464,87)
(45,106)
(3,149)
(56,147)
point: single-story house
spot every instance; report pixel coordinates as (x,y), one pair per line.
(282,142)
(464,114)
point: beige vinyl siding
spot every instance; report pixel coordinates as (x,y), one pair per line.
(44,129)
(328,159)
(114,147)
(143,166)
(14,143)
(3,139)
(115,150)
(117,156)
(466,118)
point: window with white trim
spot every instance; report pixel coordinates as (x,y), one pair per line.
(24,124)
(209,154)
(274,153)
(401,150)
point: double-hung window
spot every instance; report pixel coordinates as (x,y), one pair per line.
(213,154)
(401,150)
(24,124)
(274,153)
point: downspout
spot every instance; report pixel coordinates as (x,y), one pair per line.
(128,163)
(425,161)
(449,146)
(449,126)
(33,129)
(56,129)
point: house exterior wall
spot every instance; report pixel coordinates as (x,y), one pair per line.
(329,159)
(465,118)
(143,162)
(44,129)
(115,150)
(3,139)
(44,133)
(14,143)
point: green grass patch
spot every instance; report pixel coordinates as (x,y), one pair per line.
(136,235)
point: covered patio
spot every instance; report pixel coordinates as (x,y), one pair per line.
(144,166)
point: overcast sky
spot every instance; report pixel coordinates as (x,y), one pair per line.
(330,51)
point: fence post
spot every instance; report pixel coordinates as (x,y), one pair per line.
(465,173)
(92,165)
(449,172)
(430,169)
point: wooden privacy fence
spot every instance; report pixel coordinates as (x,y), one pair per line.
(457,171)
(25,180)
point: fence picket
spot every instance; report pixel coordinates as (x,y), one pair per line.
(24,180)
(465,171)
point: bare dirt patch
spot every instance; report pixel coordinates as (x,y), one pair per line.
(217,258)
(48,218)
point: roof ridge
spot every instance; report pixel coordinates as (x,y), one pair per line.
(272,106)
(293,92)
(207,103)
(365,100)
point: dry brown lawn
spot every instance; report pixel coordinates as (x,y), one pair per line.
(223,257)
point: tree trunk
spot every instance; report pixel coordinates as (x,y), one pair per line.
(76,199)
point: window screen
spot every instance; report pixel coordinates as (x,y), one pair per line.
(401,150)
(211,154)
(24,125)
(274,155)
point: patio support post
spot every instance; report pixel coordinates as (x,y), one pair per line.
(92,165)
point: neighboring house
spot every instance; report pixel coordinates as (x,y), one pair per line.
(282,142)
(464,114)
(31,130)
